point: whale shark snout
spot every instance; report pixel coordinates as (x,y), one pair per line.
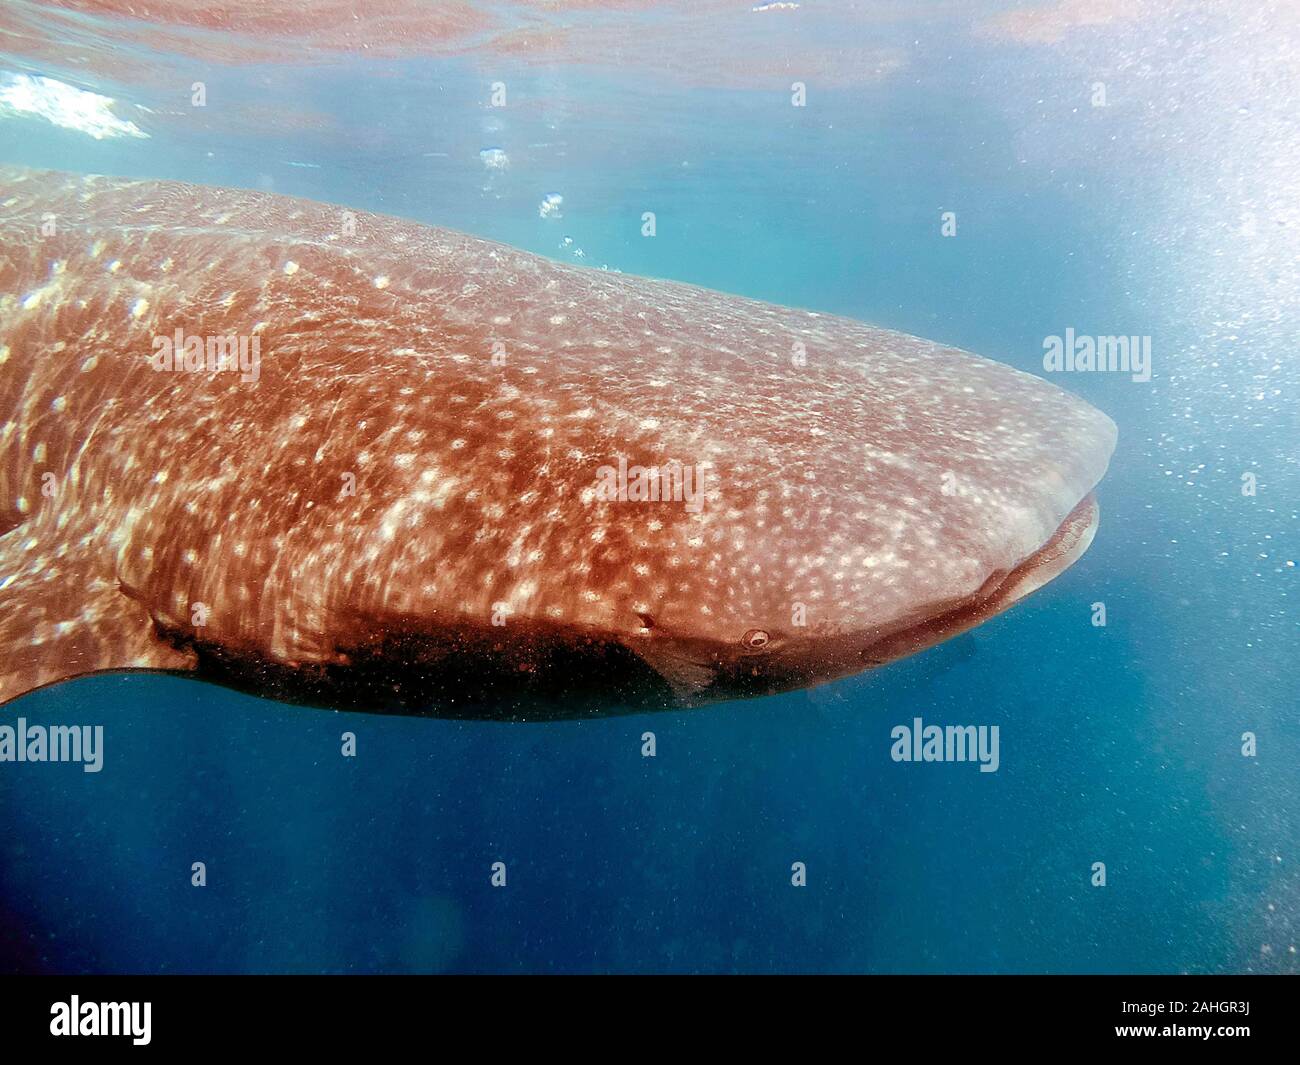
(465,480)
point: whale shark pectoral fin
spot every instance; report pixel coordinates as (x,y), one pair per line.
(686,678)
(64,617)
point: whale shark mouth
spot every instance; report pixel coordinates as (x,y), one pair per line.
(852,655)
(1000,592)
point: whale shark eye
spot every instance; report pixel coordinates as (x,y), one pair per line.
(755,639)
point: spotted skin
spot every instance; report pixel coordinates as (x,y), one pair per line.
(412,478)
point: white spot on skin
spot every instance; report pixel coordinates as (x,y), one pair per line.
(139,307)
(290,268)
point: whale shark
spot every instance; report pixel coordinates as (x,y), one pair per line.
(346,460)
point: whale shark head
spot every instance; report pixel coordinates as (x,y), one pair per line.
(888,501)
(461,479)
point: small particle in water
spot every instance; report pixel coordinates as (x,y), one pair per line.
(550,206)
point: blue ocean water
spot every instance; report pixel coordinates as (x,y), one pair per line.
(1169,211)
